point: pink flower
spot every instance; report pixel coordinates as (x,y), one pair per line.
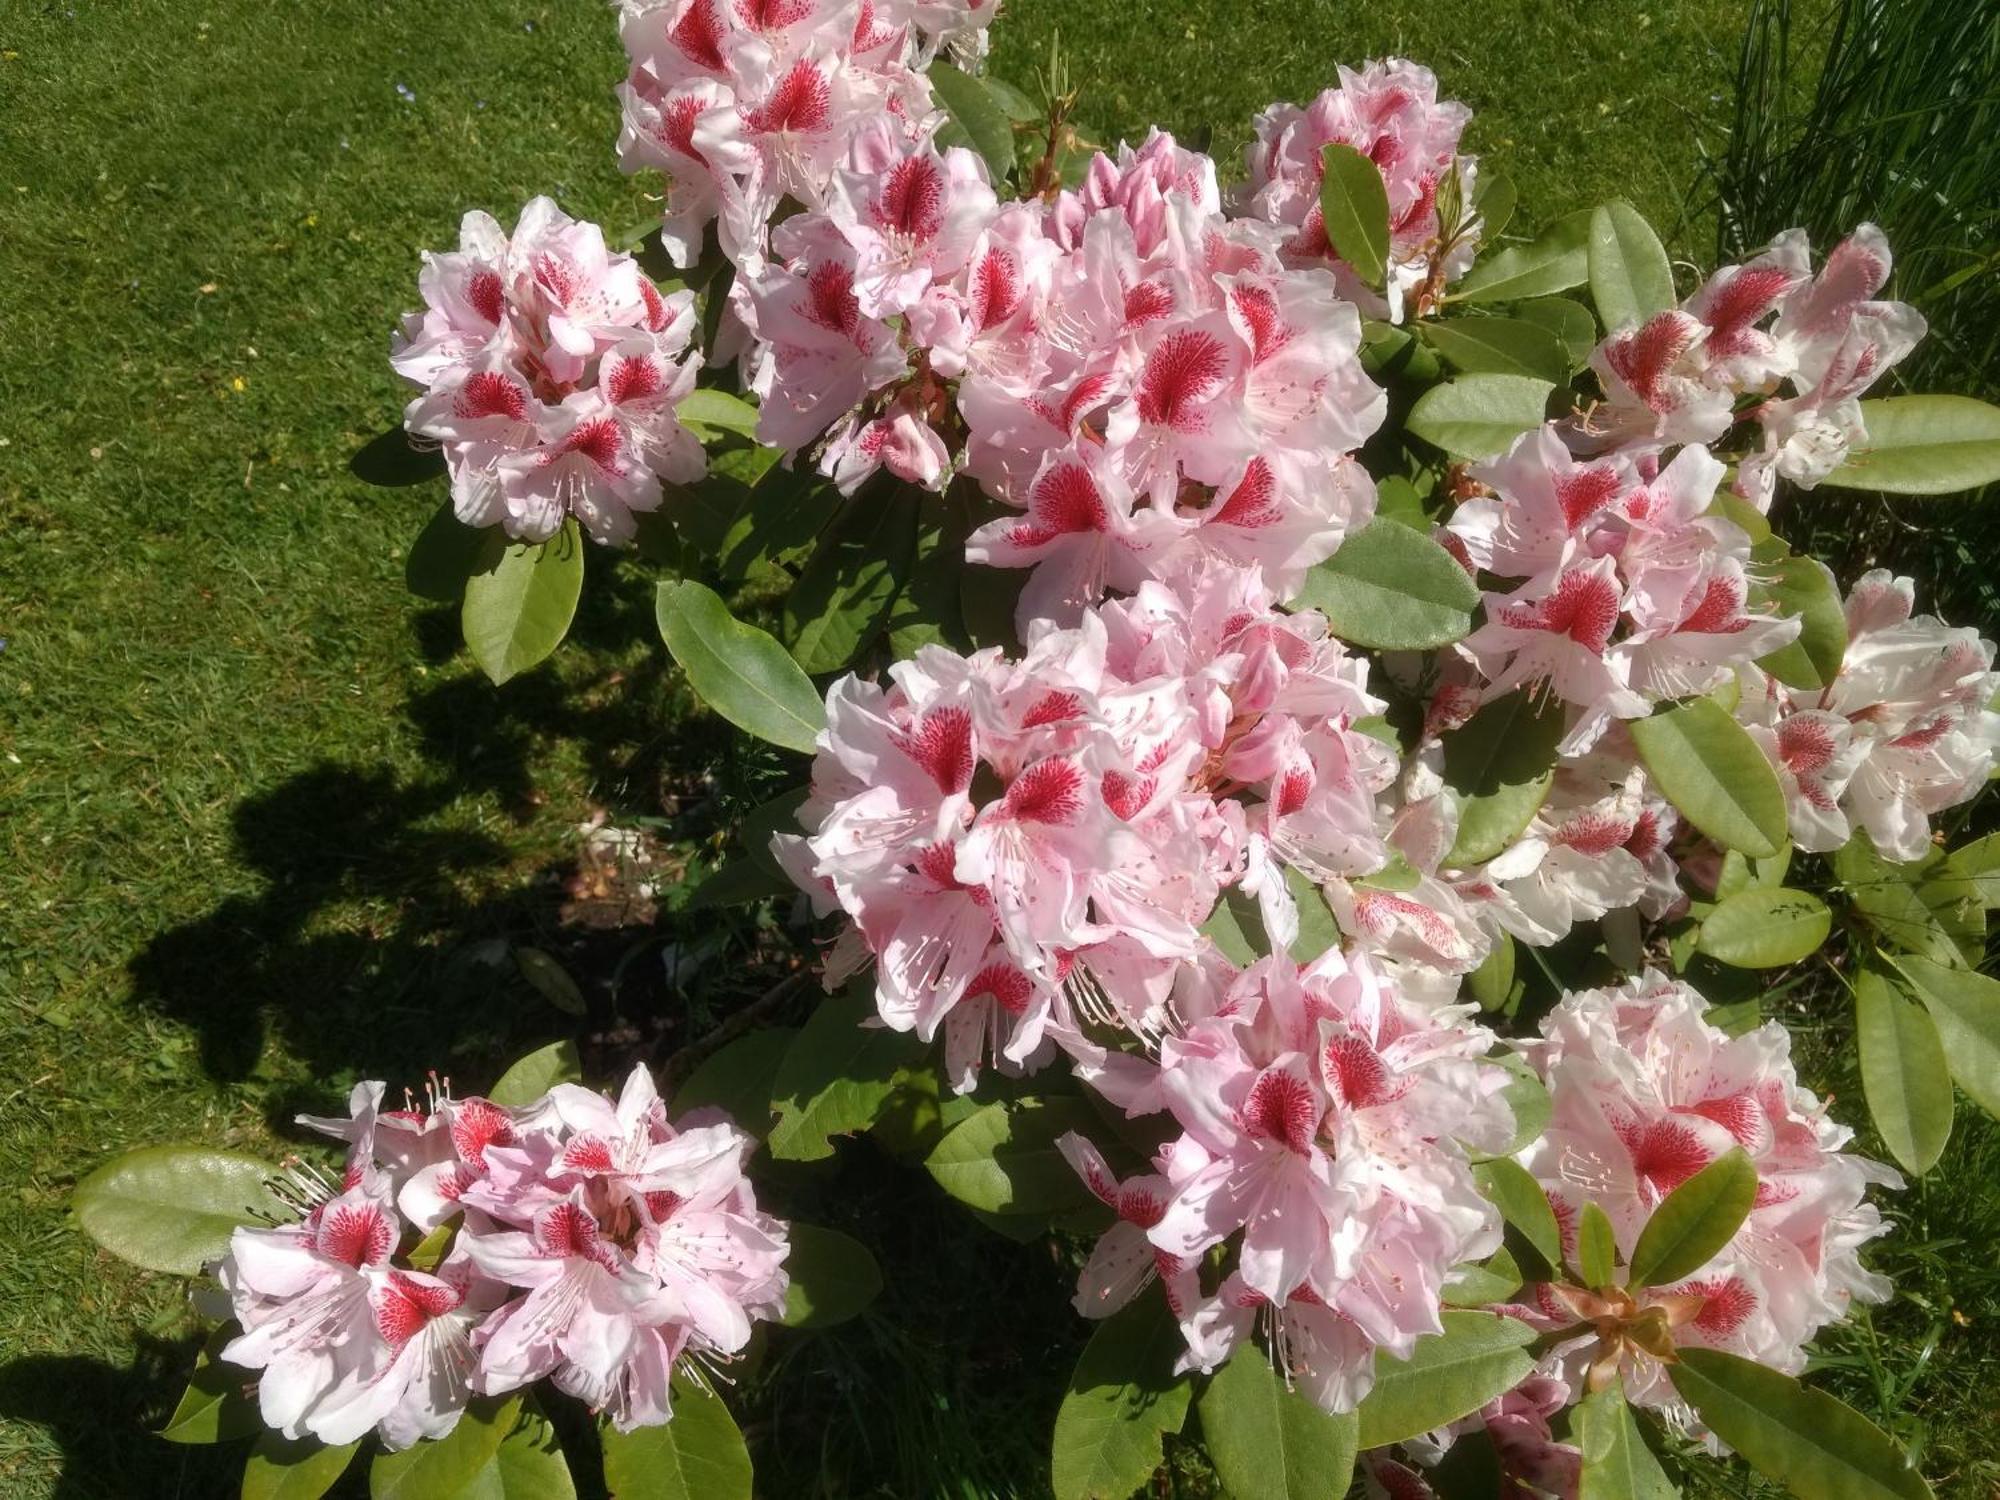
(1124,1260)
(1645,1094)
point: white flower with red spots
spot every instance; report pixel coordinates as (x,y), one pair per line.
(1390,112)
(1646,1093)
(591,1243)
(553,371)
(1327,1122)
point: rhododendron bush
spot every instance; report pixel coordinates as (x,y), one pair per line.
(1316,750)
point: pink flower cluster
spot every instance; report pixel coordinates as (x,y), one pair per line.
(745,103)
(1645,1094)
(1145,381)
(1389,112)
(552,370)
(1904,731)
(1683,375)
(1327,1116)
(1633,590)
(1023,843)
(575,1238)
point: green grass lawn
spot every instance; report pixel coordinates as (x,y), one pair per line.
(264,832)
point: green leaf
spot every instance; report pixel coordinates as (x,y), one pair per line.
(1885,894)
(833,1277)
(836,1075)
(1002,1158)
(736,882)
(1617,1464)
(739,1079)
(280,1468)
(446,553)
(172,1208)
(1804,588)
(1479,416)
(779,814)
(1354,202)
(1902,1059)
(529,1463)
(1492,983)
(843,597)
(1569,321)
(978,114)
(1708,767)
(1268,1440)
(1528,1100)
(1816,1447)
(737,669)
(1237,927)
(451,1466)
(1765,929)
(1502,762)
(775,519)
(517,613)
(1013,103)
(1477,1285)
(1923,445)
(433,1247)
(550,980)
(1493,200)
(1447,1376)
(1695,1221)
(1978,862)
(1596,1248)
(1500,346)
(1966,1008)
(1555,261)
(1122,1398)
(929,609)
(1523,1204)
(707,412)
(1393,589)
(216,1405)
(534,1075)
(1630,279)
(699,1455)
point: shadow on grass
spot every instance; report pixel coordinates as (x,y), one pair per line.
(104,1418)
(380,940)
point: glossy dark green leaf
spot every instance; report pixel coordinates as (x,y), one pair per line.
(1480,416)
(844,595)
(1693,1222)
(1761,928)
(1630,278)
(1267,1439)
(739,1079)
(1555,261)
(1804,588)
(550,980)
(1392,588)
(1569,321)
(1966,1008)
(1815,1446)
(1885,893)
(534,1075)
(514,615)
(1003,1157)
(1449,1375)
(739,670)
(707,412)
(217,1404)
(833,1277)
(282,1468)
(1501,761)
(1617,1464)
(1354,204)
(836,1075)
(972,105)
(1596,1248)
(699,1455)
(446,553)
(1500,346)
(1523,1204)
(1902,1060)
(1704,763)
(173,1208)
(1923,445)
(1122,1399)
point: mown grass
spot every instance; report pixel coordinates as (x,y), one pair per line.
(265,832)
